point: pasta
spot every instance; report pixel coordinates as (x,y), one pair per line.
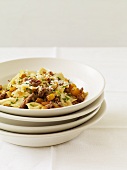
(40,90)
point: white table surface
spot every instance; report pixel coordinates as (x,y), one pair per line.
(101,147)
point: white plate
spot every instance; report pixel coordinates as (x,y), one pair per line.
(82,75)
(48,129)
(29,121)
(42,140)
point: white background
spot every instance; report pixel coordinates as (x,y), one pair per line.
(65,23)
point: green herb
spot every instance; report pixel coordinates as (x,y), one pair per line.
(64,86)
(12,102)
(69,81)
(16,99)
(53,90)
(66,98)
(69,94)
(58,93)
(59,78)
(25,97)
(31,105)
(30,91)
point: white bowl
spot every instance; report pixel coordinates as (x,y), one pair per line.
(42,140)
(82,75)
(32,121)
(48,129)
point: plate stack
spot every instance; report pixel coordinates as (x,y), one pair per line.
(46,127)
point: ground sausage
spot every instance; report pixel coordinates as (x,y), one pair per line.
(80,98)
(41,91)
(49,106)
(57,99)
(51,73)
(3,95)
(30,98)
(0,87)
(44,91)
(34,82)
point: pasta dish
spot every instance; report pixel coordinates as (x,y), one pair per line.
(43,89)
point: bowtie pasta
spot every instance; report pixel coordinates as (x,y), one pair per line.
(40,90)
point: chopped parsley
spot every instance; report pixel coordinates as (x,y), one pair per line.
(64,86)
(12,102)
(19,81)
(31,105)
(16,99)
(26,83)
(59,78)
(58,93)
(66,98)
(24,97)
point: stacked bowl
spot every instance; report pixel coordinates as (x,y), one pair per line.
(46,127)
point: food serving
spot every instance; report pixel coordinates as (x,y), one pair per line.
(43,89)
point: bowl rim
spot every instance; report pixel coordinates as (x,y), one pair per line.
(56,109)
(80,128)
(73,115)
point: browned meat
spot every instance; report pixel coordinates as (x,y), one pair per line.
(3,95)
(23,105)
(67,90)
(81,90)
(30,98)
(57,99)
(0,87)
(80,98)
(74,102)
(49,106)
(48,80)
(25,79)
(39,100)
(34,82)
(60,104)
(41,91)
(51,73)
